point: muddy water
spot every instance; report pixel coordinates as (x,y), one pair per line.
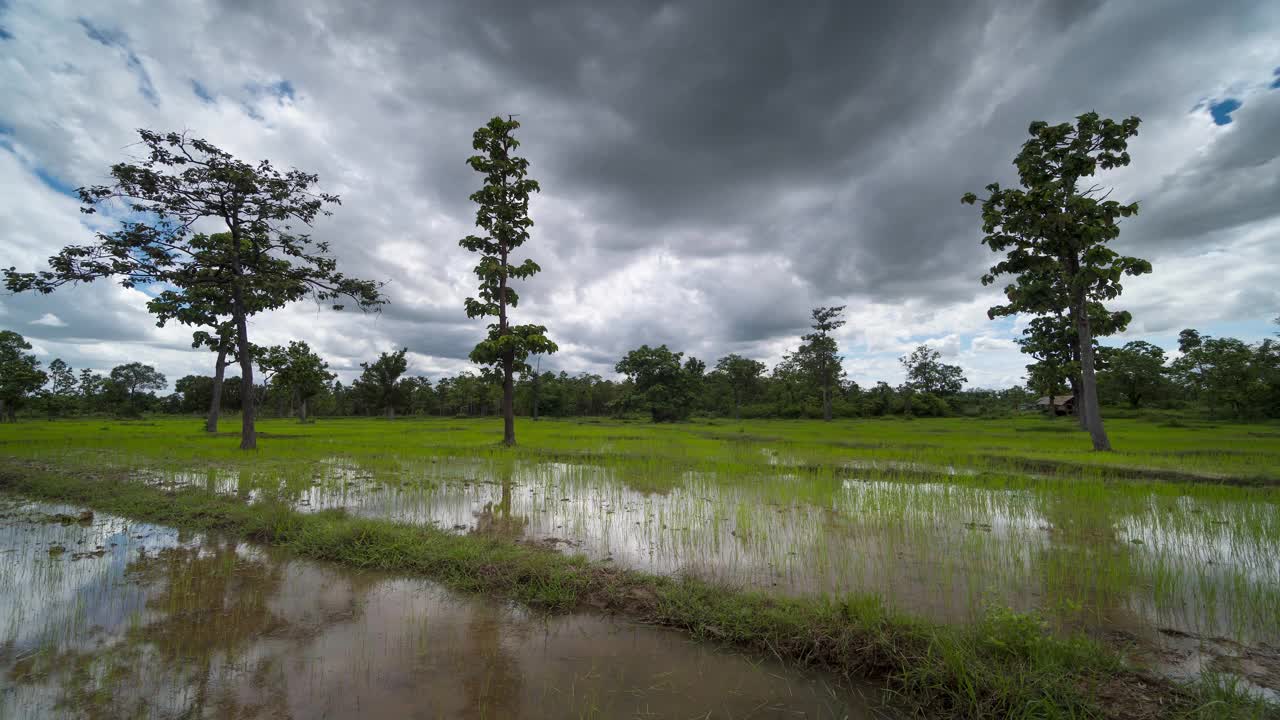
(107,618)
(1195,583)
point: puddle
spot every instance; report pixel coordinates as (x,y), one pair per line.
(1113,563)
(143,621)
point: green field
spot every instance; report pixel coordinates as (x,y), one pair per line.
(970,566)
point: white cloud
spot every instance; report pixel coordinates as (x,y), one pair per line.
(49,320)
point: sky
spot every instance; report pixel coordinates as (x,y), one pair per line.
(710,171)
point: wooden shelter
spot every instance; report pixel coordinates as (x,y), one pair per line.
(1060,404)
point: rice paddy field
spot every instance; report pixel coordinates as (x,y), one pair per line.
(567,576)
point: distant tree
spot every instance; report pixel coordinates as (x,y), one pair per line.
(195,393)
(420,397)
(928,374)
(20,374)
(179,183)
(1222,372)
(743,377)
(299,370)
(134,379)
(819,354)
(661,383)
(503,213)
(1054,234)
(1136,371)
(91,387)
(341,399)
(62,395)
(379,385)
(880,399)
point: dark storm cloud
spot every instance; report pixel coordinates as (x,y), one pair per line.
(710,170)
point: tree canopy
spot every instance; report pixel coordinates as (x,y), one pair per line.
(928,374)
(20,374)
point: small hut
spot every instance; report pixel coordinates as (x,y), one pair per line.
(1059,404)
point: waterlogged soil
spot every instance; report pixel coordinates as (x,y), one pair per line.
(102,617)
(1188,583)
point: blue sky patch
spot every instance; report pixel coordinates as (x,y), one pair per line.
(1221,110)
(1275,84)
(282,89)
(55,184)
(119,41)
(201,92)
(5,34)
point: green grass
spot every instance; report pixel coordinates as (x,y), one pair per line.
(1195,450)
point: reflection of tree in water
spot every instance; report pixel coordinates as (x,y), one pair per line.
(1084,565)
(198,644)
(497,518)
(493,688)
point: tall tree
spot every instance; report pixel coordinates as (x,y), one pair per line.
(743,376)
(297,369)
(820,355)
(180,182)
(1054,234)
(20,374)
(503,213)
(927,373)
(379,385)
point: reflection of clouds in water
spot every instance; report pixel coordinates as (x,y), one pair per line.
(1208,556)
(45,595)
(938,549)
(230,630)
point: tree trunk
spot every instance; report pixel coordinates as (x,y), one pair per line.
(508,360)
(1077,407)
(1088,380)
(215,403)
(508,406)
(737,408)
(826,403)
(248,435)
(302,411)
(4,410)
(536,380)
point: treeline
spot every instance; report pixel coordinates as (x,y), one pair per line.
(1221,377)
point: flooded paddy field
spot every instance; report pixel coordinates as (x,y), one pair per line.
(1167,552)
(103,617)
